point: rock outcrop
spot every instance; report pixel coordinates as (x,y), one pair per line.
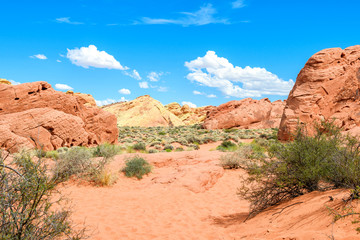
(189,115)
(143,111)
(326,88)
(4,81)
(86,99)
(247,114)
(34,114)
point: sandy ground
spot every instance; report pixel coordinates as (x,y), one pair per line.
(189,196)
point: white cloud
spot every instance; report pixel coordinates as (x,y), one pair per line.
(154,76)
(125,91)
(218,72)
(58,61)
(67,20)
(204,16)
(134,74)
(238,4)
(211,96)
(197,93)
(143,85)
(39,56)
(162,89)
(14,82)
(91,57)
(190,104)
(61,86)
(109,101)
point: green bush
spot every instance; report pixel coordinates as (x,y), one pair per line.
(52,154)
(300,166)
(139,146)
(106,150)
(153,151)
(227,146)
(168,147)
(27,208)
(136,167)
(179,149)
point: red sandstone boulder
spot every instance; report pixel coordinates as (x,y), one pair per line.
(326,88)
(246,113)
(34,114)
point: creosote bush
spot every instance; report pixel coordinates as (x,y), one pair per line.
(27,208)
(300,166)
(136,167)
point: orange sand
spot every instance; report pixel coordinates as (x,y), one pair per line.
(188,196)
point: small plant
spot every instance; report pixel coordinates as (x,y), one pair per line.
(106,150)
(136,167)
(153,151)
(52,154)
(227,146)
(179,149)
(105,178)
(139,146)
(168,147)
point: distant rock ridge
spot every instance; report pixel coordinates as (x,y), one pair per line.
(246,113)
(143,111)
(328,87)
(34,114)
(189,115)
(4,81)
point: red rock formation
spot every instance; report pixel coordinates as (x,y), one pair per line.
(34,113)
(326,88)
(246,113)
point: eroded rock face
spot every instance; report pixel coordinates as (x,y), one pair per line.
(143,111)
(35,114)
(247,113)
(189,115)
(86,99)
(326,88)
(4,81)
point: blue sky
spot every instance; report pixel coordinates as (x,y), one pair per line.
(202,52)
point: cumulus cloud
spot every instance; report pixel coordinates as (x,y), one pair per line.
(197,93)
(58,61)
(211,96)
(154,76)
(91,57)
(125,91)
(67,20)
(109,101)
(61,86)
(162,89)
(143,85)
(39,56)
(190,104)
(134,74)
(202,93)
(238,4)
(204,16)
(218,72)
(14,82)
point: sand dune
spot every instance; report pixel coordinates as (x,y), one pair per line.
(188,196)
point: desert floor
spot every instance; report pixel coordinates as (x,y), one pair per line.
(189,196)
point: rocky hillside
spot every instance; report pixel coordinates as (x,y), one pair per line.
(34,114)
(143,111)
(327,87)
(246,113)
(189,115)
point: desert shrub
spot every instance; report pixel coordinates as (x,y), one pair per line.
(162,133)
(155,143)
(167,150)
(300,166)
(158,147)
(153,151)
(168,147)
(105,178)
(226,146)
(77,161)
(106,150)
(136,167)
(27,210)
(179,149)
(193,139)
(52,154)
(139,146)
(40,153)
(62,149)
(194,146)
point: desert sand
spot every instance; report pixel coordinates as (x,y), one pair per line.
(189,196)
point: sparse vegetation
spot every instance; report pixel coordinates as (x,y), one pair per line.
(27,209)
(136,167)
(324,161)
